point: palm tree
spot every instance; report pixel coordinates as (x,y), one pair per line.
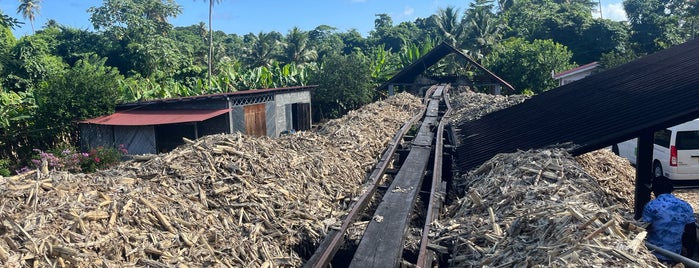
(297,48)
(29,9)
(211,36)
(450,25)
(261,49)
(482,28)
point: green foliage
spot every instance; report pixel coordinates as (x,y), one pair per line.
(262,49)
(17,112)
(482,28)
(343,85)
(616,58)
(4,167)
(450,25)
(86,90)
(297,49)
(413,51)
(528,65)
(102,158)
(381,64)
(658,24)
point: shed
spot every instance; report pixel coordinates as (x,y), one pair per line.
(159,125)
(408,75)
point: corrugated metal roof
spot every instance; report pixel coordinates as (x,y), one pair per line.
(576,70)
(653,92)
(408,74)
(218,95)
(154,117)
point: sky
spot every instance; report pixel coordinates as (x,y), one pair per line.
(254,16)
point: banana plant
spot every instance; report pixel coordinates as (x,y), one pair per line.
(411,52)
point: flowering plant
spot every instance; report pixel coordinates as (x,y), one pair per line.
(70,159)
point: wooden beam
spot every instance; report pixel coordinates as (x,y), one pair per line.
(644,172)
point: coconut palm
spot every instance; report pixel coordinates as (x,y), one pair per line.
(261,49)
(29,9)
(297,49)
(450,25)
(482,29)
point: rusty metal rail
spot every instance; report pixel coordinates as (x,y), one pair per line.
(382,243)
(437,192)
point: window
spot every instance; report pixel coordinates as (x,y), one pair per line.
(687,140)
(662,138)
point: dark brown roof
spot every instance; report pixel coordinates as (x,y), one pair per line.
(653,92)
(408,74)
(219,95)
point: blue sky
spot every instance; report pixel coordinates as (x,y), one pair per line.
(245,16)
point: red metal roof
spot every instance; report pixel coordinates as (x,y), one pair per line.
(154,117)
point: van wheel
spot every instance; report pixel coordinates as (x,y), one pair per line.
(615,149)
(657,169)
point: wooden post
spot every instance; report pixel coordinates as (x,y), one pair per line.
(644,172)
(390,90)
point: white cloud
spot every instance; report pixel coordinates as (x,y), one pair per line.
(408,11)
(614,12)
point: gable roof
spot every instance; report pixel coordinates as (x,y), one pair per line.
(408,74)
(650,93)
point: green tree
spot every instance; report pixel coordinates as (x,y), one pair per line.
(657,24)
(31,61)
(262,49)
(28,9)
(297,48)
(137,35)
(7,21)
(343,85)
(325,40)
(86,90)
(450,25)
(17,113)
(527,66)
(353,42)
(483,29)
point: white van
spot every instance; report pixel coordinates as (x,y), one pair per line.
(675,153)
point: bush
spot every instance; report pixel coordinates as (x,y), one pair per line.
(71,160)
(4,167)
(103,157)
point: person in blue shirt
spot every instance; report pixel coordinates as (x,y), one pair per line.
(671,220)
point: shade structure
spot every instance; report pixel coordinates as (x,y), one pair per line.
(154,117)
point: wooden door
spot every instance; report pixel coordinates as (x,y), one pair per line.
(255,120)
(301,116)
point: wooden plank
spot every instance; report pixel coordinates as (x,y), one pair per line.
(255,120)
(425,136)
(329,246)
(382,243)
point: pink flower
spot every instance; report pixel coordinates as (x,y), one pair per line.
(97,159)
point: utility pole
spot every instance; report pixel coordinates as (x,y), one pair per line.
(599,2)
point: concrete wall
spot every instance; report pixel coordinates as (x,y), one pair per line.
(283,117)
